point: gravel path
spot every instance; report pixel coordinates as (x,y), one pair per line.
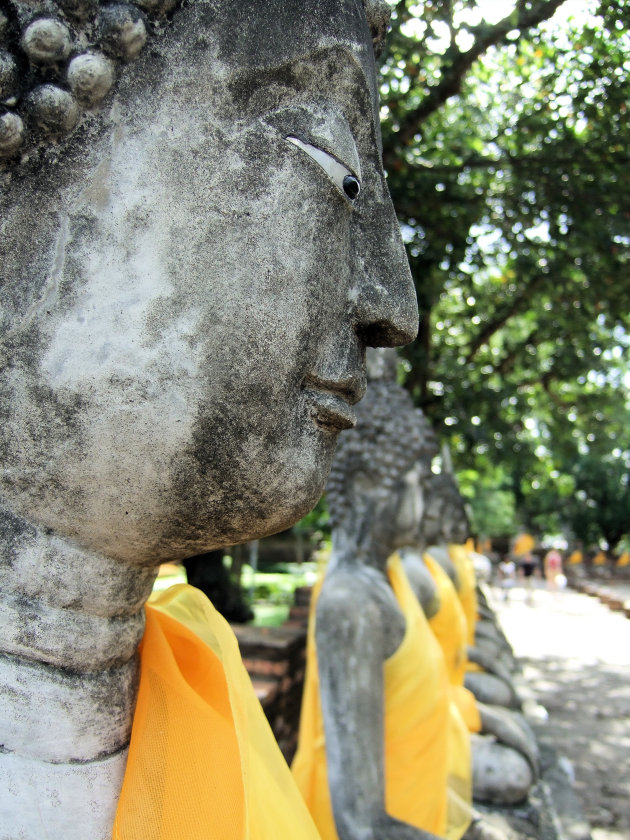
(576,656)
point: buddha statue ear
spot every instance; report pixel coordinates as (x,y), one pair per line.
(378,14)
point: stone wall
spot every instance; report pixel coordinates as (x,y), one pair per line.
(275,660)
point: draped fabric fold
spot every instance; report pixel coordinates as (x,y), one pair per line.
(467,592)
(451,629)
(426,742)
(203,763)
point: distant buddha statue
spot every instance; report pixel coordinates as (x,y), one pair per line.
(383,751)
(504,750)
(489,654)
(197,244)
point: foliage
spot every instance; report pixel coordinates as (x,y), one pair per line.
(491,502)
(601,505)
(506,145)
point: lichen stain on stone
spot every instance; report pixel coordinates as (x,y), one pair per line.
(98,190)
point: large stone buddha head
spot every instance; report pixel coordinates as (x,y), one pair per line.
(192,273)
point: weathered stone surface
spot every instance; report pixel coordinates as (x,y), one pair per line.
(375,502)
(186,299)
(122,31)
(11,133)
(52,110)
(8,76)
(47,41)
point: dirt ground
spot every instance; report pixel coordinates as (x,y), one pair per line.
(576,656)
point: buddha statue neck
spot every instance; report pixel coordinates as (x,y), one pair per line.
(70,624)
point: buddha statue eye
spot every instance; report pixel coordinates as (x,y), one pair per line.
(351,187)
(343,178)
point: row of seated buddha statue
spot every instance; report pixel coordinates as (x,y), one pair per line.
(409,712)
(198,245)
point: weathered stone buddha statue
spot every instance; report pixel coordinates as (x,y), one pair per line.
(197,243)
(504,750)
(382,752)
(444,531)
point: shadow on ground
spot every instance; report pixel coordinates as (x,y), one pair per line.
(589,723)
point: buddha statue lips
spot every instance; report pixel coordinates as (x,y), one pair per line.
(331,401)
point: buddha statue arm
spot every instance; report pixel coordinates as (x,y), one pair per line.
(485,612)
(351,650)
(511,731)
(488,663)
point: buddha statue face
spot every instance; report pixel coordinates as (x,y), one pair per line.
(430,530)
(198,285)
(410,507)
(445,519)
(455,524)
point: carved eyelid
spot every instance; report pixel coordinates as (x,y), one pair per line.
(321,130)
(336,171)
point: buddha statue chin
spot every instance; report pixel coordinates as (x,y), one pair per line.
(191,279)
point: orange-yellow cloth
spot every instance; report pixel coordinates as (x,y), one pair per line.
(467,593)
(575,558)
(450,628)
(203,763)
(599,559)
(523,545)
(427,750)
(624,559)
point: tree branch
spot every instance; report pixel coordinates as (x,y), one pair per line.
(507,362)
(518,302)
(527,16)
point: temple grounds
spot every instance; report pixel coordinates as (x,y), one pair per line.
(576,659)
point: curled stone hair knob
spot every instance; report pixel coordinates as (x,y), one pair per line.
(8,76)
(11,133)
(47,41)
(90,77)
(122,31)
(52,110)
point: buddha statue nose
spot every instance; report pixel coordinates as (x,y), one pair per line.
(383,295)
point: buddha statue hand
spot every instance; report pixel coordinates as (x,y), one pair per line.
(512,730)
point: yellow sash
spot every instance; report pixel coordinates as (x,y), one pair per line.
(523,545)
(450,628)
(203,763)
(467,594)
(423,731)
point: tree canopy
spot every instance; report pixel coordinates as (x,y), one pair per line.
(507,143)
